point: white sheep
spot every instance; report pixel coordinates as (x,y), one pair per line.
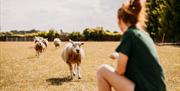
(57,42)
(37,39)
(73,53)
(45,41)
(39,47)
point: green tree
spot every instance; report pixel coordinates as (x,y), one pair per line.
(164,19)
(99,34)
(42,34)
(51,34)
(76,36)
(171,20)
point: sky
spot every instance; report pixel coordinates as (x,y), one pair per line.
(68,15)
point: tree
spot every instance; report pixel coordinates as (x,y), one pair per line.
(164,19)
(171,20)
(51,34)
(42,34)
(33,31)
(99,34)
(76,36)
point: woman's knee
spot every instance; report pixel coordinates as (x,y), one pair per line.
(101,70)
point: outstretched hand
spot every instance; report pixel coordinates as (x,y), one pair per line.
(114,56)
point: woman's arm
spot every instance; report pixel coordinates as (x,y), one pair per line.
(122,60)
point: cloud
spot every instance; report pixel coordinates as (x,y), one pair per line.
(69,15)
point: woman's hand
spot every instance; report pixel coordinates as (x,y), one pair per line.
(114,56)
(122,60)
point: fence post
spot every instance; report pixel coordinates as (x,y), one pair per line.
(163,38)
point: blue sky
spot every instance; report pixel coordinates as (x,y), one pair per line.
(69,15)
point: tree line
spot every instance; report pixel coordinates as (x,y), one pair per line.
(88,34)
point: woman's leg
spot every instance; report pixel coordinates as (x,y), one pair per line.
(103,84)
(107,78)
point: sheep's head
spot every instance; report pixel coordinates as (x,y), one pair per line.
(37,39)
(76,46)
(39,43)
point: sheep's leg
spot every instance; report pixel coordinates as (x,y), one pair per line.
(79,71)
(74,73)
(71,70)
(37,53)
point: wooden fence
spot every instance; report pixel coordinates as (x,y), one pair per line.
(13,38)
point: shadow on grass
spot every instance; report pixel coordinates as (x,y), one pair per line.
(58,81)
(178,46)
(32,57)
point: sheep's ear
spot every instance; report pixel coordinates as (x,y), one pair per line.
(70,41)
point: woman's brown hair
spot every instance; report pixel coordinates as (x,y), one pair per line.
(132,13)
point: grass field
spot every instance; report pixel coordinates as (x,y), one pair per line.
(21,70)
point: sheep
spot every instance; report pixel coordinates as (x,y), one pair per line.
(45,41)
(39,47)
(57,42)
(36,39)
(73,54)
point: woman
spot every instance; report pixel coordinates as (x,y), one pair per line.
(138,67)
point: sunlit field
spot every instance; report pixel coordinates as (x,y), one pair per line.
(21,70)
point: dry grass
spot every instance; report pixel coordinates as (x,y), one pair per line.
(21,70)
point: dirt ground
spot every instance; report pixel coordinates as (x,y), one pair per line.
(21,70)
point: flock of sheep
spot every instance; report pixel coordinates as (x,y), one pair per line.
(72,53)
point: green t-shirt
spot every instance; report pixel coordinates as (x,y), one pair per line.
(143,66)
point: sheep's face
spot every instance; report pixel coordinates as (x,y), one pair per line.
(38,39)
(77,46)
(39,43)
